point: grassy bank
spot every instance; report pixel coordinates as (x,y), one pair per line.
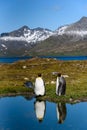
(13,76)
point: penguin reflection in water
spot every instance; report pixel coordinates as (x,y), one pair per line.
(61,112)
(60,85)
(40,108)
(39,86)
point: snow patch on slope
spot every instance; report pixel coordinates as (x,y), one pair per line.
(30,35)
(37,35)
(64,30)
(4,46)
(79,33)
(61,30)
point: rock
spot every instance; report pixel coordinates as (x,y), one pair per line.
(24,67)
(53,82)
(26,78)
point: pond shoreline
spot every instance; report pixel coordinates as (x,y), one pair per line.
(13,76)
(45,98)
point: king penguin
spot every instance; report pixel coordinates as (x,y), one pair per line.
(39,86)
(60,85)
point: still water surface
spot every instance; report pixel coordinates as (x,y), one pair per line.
(21,113)
(14,59)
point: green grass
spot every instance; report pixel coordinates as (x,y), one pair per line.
(12,78)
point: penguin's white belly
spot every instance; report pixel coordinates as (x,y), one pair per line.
(39,87)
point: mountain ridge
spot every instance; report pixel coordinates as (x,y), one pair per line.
(41,41)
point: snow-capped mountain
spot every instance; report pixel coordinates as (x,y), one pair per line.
(79,28)
(40,41)
(40,34)
(18,42)
(66,40)
(27,34)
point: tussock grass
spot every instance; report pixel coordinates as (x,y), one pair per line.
(12,77)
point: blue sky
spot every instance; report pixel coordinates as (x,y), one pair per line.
(49,14)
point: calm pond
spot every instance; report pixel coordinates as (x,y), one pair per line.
(23,113)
